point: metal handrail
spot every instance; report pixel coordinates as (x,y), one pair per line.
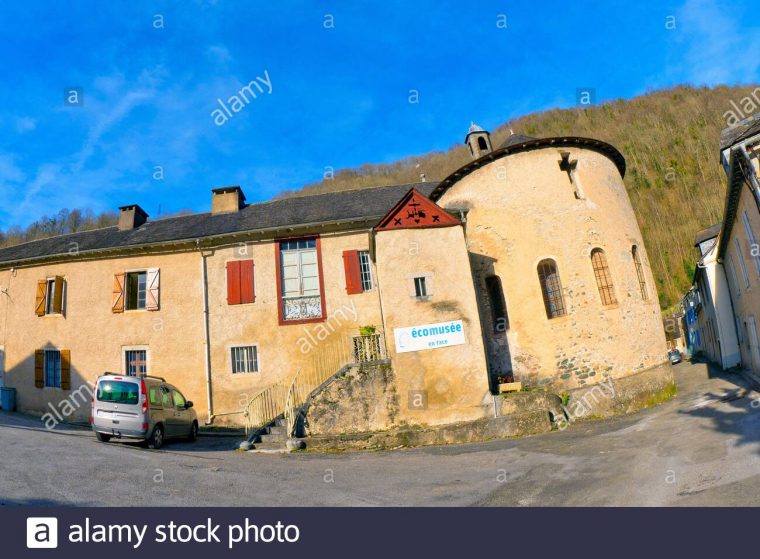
(326,362)
(265,407)
(287,400)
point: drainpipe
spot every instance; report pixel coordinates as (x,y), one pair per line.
(204,284)
(373,252)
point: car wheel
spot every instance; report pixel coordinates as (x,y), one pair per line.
(193,432)
(102,437)
(156,440)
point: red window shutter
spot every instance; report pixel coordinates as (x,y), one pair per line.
(233,282)
(247,293)
(353,274)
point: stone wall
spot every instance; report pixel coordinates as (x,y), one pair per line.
(364,398)
(613,396)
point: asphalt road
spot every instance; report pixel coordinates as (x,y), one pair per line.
(701,448)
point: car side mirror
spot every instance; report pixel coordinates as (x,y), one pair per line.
(188,405)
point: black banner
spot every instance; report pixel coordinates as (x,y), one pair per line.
(212,532)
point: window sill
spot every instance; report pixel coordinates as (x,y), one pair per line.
(424,299)
(611,306)
(244,375)
(302,321)
(558,319)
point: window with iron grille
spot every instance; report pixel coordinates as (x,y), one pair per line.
(640,272)
(551,288)
(365,270)
(603,277)
(245,359)
(301,289)
(136,362)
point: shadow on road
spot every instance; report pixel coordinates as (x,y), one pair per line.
(735,411)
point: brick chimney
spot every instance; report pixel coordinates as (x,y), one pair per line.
(227,199)
(131,217)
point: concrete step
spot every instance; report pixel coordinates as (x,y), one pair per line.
(269,447)
(275,438)
(280,422)
(276,430)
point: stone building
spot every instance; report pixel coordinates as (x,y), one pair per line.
(527,264)
(737,248)
(726,292)
(715,319)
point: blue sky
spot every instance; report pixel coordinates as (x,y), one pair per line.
(341,73)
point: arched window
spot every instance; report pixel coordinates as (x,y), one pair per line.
(639,272)
(603,277)
(498,305)
(551,288)
(482,145)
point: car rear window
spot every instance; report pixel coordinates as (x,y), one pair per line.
(118,392)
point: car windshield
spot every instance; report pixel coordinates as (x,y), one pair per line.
(118,392)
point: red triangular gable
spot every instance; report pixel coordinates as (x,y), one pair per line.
(416,210)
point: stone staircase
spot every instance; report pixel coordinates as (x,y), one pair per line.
(270,438)
(277,409)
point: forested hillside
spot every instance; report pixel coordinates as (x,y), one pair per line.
(64,222)
(670,141)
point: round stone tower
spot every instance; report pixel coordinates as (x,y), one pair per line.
(563,281)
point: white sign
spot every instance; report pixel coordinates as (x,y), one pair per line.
(429,336)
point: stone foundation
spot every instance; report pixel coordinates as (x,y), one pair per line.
(530,423)
(615,396)
(358,411)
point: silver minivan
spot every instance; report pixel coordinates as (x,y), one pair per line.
(144,408)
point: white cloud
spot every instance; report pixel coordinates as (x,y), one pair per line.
(720,49)
(25,124)
(219,54)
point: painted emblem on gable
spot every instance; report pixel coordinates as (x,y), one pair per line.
(416,210)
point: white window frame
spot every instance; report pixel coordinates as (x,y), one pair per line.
(752,241)
(125,349)
(412,285)
(734,279)
(299,252)
(365,271)
(739,334)
(257,359)
(50,296)
(126,290)
(742,264)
